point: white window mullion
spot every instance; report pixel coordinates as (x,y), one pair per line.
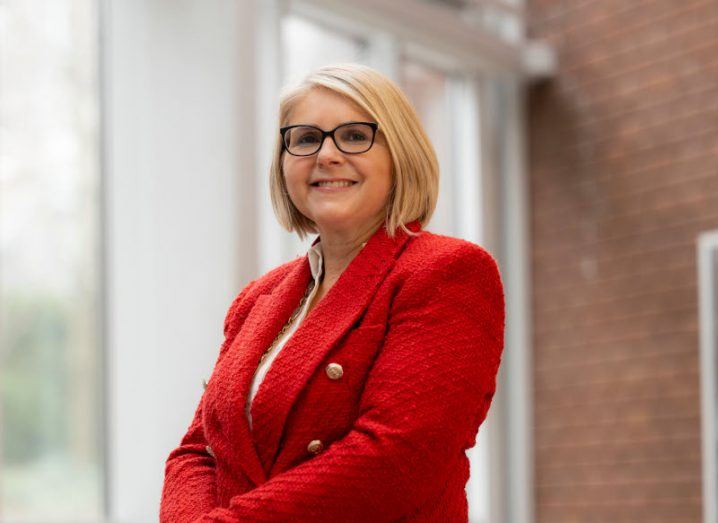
(514,258)
(383,53)
(707,257)
(268,70)
(174,83)
(468,141)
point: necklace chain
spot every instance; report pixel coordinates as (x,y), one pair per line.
(290,320)
(294,315)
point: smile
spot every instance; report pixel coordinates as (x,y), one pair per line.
(333,186)
(337,183)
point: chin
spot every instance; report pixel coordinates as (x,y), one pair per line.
(333,221)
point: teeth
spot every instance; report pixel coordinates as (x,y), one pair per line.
(335,184)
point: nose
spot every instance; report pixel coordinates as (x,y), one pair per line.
(328,152)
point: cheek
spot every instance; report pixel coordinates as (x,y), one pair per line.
(381,183)
(292,172)
(386,168)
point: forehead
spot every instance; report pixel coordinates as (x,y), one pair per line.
(325,108)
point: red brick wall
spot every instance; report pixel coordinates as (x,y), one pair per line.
(623,159)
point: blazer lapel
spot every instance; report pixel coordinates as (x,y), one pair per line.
(262,324)
(325,325)
(256,333)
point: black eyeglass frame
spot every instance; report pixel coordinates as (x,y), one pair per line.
(283,131)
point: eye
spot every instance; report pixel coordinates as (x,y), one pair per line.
(303,137)
(307,138)
(354,135)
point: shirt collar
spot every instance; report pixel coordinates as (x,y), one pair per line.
(315,260)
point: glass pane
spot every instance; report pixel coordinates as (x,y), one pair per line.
(307,45)
(50,358)
(428,90)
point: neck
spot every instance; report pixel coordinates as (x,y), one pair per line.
(340,247)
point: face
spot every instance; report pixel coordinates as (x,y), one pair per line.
(337,209)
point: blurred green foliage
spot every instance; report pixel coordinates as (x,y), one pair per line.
(33,375)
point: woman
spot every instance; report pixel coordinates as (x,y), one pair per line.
(350,381)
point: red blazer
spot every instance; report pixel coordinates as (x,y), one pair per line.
(417,326)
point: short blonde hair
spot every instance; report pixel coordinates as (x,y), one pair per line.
(415,169)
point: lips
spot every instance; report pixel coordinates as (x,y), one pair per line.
(344,187)
(316,183)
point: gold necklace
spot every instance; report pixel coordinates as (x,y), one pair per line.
(289,321)
(295,313)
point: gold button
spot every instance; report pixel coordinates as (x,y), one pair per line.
(315,446)
(204,384)
(334,371)
(210,451)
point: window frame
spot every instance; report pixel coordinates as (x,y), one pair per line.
(493,71)
(707,268)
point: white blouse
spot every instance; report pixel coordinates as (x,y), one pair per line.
(317,266)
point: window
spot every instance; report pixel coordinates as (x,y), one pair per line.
(51,400)
(445,91)
(306,45)
(428,89)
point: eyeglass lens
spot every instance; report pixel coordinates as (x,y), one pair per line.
(349,138)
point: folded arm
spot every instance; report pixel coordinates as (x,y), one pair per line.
(425,397)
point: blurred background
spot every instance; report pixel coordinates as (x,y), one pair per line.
(578,142)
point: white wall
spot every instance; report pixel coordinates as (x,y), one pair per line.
(179,243)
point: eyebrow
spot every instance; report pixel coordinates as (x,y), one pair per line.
(318,126)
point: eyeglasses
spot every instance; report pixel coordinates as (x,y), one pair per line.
(350,138)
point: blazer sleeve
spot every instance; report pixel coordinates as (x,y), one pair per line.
(189,488)
(425,397)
